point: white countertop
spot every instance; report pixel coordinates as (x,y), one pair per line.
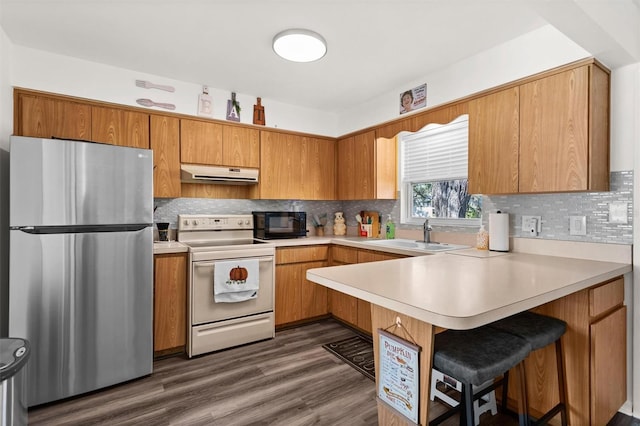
(356,242)
(462,292)
(168,247)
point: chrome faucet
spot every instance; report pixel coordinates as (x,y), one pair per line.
(427,231)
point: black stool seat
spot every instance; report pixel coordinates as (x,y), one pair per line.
(478,355)
(474,357)
(539,330)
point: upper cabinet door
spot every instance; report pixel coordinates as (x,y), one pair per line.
(554,132)
(120,127)
(281,166)
(347,179)
(494,129)
(367,167)
(200,142)
(320,170)
(240,147)
(46,118)
(386,170)
(165,142)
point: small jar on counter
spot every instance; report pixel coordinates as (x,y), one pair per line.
(482,239)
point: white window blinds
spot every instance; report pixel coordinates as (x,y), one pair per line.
(436,153)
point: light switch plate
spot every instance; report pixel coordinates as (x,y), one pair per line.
(618,212)
(577,225)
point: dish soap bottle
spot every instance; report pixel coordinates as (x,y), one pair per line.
(482,239)
(390,228)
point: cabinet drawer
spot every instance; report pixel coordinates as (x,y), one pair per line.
(344,254)
(301,254)
(605,297)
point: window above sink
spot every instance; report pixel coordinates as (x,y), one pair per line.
(433,164)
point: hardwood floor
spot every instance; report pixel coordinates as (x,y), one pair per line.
(289,380)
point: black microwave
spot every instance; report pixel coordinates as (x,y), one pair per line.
(272,225)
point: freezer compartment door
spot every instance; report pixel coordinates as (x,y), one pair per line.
(85,303)
(58,182)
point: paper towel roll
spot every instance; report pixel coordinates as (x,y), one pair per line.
(499,231)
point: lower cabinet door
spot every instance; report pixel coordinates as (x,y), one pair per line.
(344,307)
(608,366)
(170,302)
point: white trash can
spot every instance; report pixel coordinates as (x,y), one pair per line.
(14,354)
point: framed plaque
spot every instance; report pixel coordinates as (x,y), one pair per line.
(399,381)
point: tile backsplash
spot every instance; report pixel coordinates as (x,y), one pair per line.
(554,209)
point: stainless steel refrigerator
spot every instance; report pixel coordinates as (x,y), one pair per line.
(81,263)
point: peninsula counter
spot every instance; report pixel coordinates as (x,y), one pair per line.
(458,291)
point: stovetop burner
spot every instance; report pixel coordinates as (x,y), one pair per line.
(214,232)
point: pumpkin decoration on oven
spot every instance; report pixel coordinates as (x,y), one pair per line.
(238,274)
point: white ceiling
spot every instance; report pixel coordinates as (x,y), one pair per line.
(373,45)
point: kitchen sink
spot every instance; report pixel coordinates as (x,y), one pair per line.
(417,245)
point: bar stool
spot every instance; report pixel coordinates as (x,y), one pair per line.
(474,357)
(539,331)
(480,405)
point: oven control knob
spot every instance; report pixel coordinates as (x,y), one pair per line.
(195,222)
(240,222)
(246,222)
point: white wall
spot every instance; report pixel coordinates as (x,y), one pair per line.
(624,116)
(6,126)
(40,70)
(537,51)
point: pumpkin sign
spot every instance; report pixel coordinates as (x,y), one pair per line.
(238,274)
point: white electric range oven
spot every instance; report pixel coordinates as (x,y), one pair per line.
(214,241)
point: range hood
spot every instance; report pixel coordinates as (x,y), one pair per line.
(196,173)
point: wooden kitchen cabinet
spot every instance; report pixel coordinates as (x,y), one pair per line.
(547,133)
(297,298)
(364,307)
(165,143)
(170,303)
(343,306)
(564,131)
(367,167)
(240,147)
(296,167)
(594,348)
(347,308)
(494,142)
(207,142)
(200,142)
(120,127)
(46,117)
(210,143)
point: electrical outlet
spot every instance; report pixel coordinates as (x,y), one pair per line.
(577,225)
(532,225)
(618,212)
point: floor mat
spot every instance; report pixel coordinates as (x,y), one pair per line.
(357,352)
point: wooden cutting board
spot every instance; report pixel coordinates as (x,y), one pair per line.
(375,221)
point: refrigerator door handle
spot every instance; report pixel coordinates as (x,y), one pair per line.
(76,229)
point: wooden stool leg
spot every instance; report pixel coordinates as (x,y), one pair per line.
(523,405)
(562,385)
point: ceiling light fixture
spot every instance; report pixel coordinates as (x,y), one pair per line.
(299,45)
